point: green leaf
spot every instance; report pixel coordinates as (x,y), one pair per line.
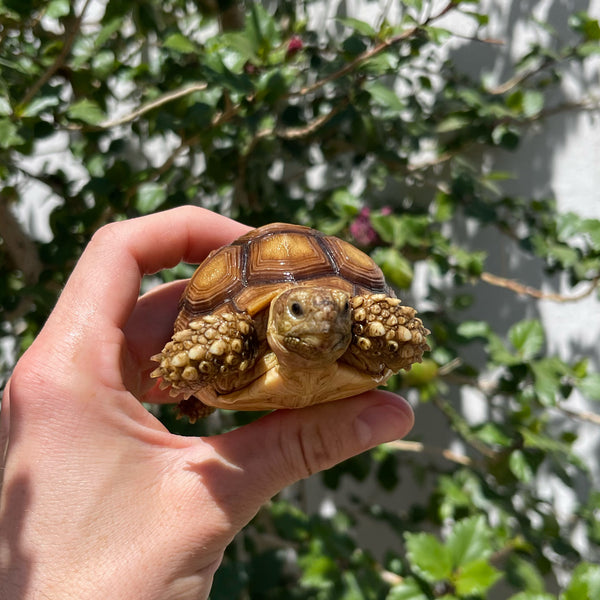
(428,557)
(358,26)
(475,577)
(590,386)
(491,434)
(586,25)
(149,197)
(523,574)
(5,108)
(39,104)
(519,466)
(384,96)
(506,137)
(527,337)
(469,540)
(438,35)
(243,50)
(261,29)
(87,111)
(568,225)
(473,329)
(587,49)
(397,269)
(453,123)
(180,43)
(591,229)
(344,203)
(103,63)
(499,353)
(9,135)
(584,584)
(407,590)
(549,444)
(58,8)
(547,374)
(354,45)
(533,102)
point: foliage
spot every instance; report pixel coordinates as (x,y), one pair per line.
(365,130)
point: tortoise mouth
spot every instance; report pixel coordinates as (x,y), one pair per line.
(318,347)
(309,327)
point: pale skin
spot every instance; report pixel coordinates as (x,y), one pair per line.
(98,499)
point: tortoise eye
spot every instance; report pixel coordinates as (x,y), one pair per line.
(296,309)
(346,306)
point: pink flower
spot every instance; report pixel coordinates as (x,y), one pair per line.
(294,45)
(362,230)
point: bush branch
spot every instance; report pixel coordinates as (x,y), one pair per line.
(583,415)
(372,52)
(526,290)
(418,447)
(60,59)
(148,106)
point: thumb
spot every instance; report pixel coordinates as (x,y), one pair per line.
(289,445)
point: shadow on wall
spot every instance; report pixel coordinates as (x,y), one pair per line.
(512,24)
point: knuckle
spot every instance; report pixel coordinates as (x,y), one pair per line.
(107,234)
(312,448)
(27,381)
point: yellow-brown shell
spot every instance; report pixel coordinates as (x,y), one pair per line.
(246,275)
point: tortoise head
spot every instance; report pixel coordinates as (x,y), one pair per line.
(309,327)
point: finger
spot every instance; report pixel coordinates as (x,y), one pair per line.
(151,321)
(4,424)
(288,445)
(105,284)
(147,330)
(102,291)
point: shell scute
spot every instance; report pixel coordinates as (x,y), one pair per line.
(286,257)
(215,281)
(257,266)
(354,265)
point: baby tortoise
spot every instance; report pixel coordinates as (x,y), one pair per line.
(285,317)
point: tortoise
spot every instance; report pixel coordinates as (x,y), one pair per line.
(285,317)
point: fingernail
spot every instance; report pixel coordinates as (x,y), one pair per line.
(384,422)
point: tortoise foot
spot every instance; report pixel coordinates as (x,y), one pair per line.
(386,336)
(212,346)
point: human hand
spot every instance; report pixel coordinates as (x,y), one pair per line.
(98,499)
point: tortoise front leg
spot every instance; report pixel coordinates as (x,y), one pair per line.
(212,349)
(386,336)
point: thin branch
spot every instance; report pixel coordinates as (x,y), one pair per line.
(372,52)
(60,59)
(583,415)
(462,428)
(526,290)
(147,107)
(517,79)
(294,133)
(418,447)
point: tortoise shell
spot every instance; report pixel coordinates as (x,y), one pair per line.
(246,275)
(285,317)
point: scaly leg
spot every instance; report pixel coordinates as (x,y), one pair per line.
(386,336)
(212,350)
